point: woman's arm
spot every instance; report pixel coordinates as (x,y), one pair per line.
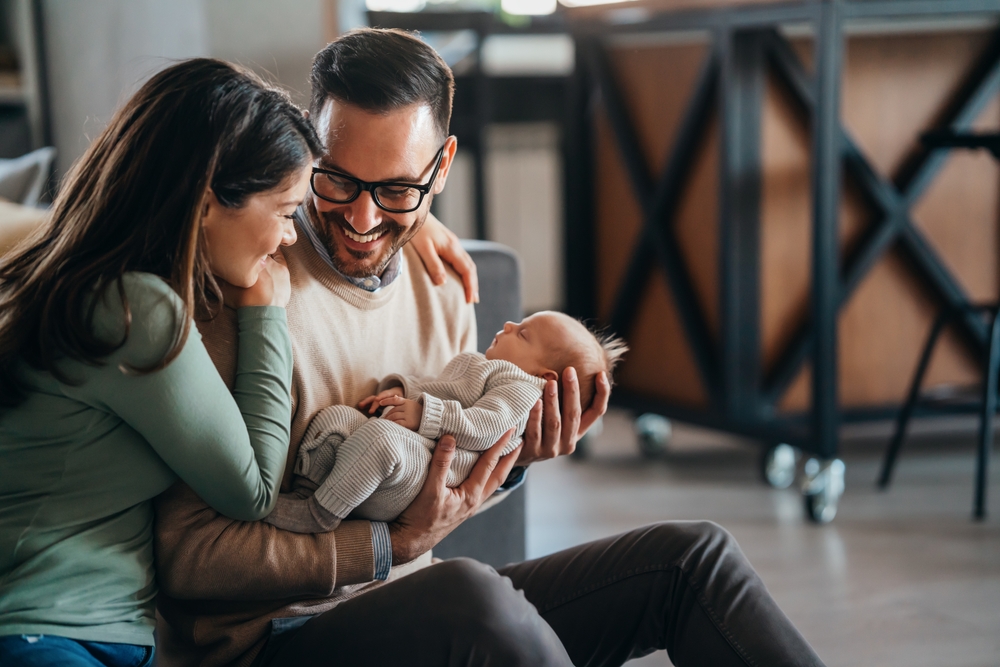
(230,448)
(434,243)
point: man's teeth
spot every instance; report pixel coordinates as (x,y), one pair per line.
(367,238)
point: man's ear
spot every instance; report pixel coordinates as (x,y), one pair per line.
(450,148)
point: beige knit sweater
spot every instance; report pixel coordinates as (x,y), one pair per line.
(221,581)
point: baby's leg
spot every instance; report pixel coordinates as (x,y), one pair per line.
(379,470)
(298,511)
(398,490)
(318,449)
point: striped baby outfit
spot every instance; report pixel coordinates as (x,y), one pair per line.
(373,467)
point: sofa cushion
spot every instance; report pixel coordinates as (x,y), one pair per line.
(16,222)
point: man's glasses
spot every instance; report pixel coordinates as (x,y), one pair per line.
(338,188)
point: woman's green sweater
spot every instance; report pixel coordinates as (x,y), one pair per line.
(80,462)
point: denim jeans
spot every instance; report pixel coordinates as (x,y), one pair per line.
(684,587)
(53,651)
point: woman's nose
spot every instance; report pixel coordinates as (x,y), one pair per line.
(288,235)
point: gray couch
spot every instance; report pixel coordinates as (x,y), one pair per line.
(495,536)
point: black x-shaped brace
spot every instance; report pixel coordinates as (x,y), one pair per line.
(658,241)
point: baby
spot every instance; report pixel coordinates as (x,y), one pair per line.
(372,468)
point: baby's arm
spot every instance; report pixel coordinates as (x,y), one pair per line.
(501,408)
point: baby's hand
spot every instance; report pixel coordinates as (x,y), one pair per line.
(371,404)
(404,412)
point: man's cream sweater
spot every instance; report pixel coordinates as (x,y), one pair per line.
(222,581)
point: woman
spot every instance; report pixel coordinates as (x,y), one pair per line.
(107,394)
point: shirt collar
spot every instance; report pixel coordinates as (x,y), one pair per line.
(367,283)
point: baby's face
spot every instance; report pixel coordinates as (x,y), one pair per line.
(533,344)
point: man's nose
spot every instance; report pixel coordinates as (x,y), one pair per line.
(362,214)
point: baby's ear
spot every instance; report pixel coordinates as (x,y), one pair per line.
(550,375)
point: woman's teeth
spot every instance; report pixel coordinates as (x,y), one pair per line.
(367,238)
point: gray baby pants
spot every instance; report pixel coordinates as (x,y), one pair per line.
(369,466)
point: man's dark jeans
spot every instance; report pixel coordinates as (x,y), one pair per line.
(685,587)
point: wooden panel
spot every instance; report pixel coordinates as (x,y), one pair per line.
(661,362)
(894,87)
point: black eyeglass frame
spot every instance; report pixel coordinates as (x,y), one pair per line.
(365,186)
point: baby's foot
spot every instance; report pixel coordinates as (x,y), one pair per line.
(301,515)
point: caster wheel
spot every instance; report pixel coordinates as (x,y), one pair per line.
(777,465)
(822,488)
(653,434)
(585,445)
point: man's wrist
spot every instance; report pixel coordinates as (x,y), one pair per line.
(399,544)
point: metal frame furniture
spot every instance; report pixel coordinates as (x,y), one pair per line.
(987,405)
(746,43)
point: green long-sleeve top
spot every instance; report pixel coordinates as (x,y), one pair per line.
(80,463)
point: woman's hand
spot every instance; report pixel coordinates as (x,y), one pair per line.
(435,242)
(273,286)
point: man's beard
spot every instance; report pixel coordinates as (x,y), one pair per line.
(360,264)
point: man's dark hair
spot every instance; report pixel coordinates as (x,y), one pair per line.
(381,70)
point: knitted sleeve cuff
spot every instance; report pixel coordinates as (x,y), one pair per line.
(355,553)
(430,420)
(382,546)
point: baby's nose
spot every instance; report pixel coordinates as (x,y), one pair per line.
(507,327)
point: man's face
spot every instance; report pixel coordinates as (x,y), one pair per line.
(399,146)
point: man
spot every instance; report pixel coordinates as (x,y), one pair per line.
(363,307)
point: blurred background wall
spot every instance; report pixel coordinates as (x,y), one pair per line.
(98,52)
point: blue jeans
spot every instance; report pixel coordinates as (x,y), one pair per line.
(50,651)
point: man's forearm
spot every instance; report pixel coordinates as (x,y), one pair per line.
(201,554)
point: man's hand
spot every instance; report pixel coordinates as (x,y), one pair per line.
(437,510)
(404,412)
(435,242)
(371,403)
(549,434)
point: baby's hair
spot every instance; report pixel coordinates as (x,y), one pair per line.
(614,348)
(610,349)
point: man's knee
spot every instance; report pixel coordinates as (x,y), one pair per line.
(474,588)
(484,610)
(684,543)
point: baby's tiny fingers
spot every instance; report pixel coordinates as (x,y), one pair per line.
(392,400)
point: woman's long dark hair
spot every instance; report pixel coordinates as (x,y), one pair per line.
(134,202)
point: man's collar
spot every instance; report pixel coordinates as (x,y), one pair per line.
(367,283)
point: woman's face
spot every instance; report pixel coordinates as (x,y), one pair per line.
(238,240)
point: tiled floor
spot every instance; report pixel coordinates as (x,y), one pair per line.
(903,578)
